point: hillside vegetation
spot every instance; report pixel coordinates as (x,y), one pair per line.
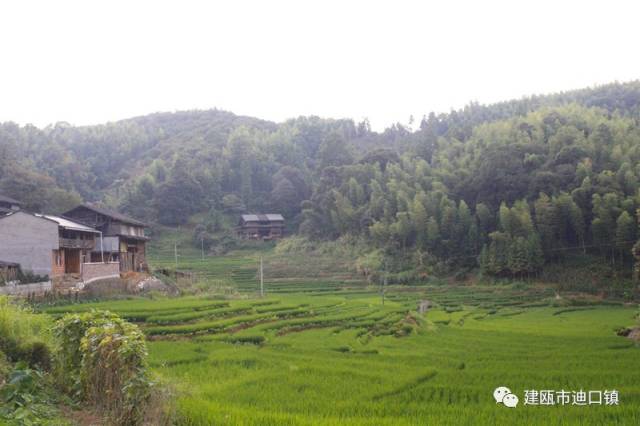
(511,187)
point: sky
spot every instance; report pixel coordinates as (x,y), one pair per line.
(89,62)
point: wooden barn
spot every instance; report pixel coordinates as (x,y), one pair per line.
(123,238)
(76,242)
(260,226)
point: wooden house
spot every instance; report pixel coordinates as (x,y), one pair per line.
(76,242)
(260,226)
(8,205)
(123,238)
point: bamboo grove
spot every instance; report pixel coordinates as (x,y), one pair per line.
(509,187)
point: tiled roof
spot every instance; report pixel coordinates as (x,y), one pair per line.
(110,213)
(5,199)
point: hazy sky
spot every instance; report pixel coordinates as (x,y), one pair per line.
(88,62)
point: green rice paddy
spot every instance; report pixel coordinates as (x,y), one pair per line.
(329,352)
(299,360)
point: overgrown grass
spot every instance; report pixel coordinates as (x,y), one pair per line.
(25,336)
(27,395)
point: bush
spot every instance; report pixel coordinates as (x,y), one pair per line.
(24,398)
(29,278)
(35,354)
(5,367)
(25,336)
(102,361)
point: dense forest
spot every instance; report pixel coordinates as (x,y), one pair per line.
(507,187)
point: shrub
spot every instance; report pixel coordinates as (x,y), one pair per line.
(24,397)
(103,362)
(5,367)
(24,336)
(250,340)
(36,354)
(29,278)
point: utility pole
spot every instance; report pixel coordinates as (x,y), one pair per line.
(175,253)
(261,279)
(384,281)
(202,247)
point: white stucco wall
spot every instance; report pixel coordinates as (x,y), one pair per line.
(29,241)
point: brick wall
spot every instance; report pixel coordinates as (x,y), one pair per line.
(57,270)
(95,271)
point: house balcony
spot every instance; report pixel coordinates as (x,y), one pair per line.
(76,243)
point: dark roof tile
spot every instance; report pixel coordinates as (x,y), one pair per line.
(111,213)
(5,199)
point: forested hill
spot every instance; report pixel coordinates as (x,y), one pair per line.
(524,179)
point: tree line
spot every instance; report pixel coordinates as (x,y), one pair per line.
(507,187)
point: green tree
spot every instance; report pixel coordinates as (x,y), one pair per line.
(420,221)
(625,234)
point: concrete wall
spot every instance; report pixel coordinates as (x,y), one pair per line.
(97,271)
(29,241)
(109,244)
(26,289)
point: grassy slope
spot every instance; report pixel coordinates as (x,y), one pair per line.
(238,270)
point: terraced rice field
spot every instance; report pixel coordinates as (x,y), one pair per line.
(238,270)
(323,349)
(309,358)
